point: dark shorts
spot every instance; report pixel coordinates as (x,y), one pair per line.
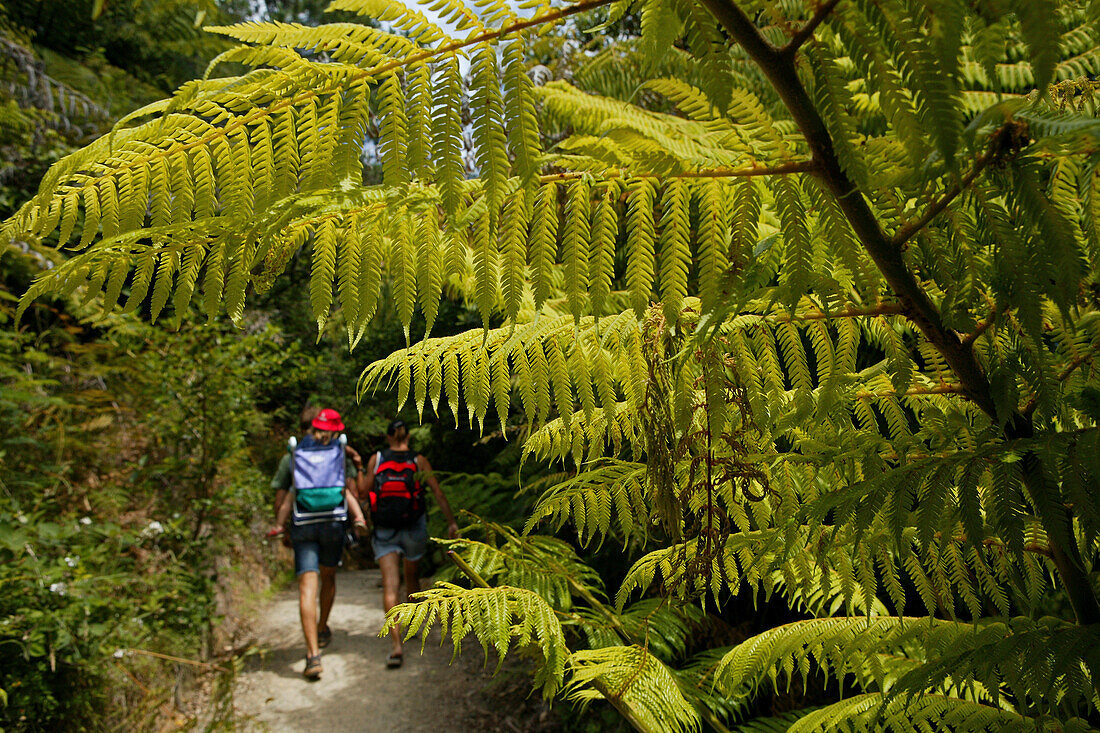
(317,546)
(411,542)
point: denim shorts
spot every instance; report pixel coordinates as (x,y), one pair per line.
(411,542)
(317,546)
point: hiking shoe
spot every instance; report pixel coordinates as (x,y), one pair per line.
(313,668)
(324,637)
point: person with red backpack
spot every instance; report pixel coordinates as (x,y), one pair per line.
(323,495)
(398,513)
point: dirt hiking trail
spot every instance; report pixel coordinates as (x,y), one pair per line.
(356,691)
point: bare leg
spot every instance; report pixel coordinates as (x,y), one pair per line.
(391,580)
(307,609)
(412,578)
(328,595)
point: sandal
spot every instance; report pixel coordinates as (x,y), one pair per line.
(313,668)
(324,637)
(393,661)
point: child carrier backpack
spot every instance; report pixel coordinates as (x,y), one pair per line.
(319,480)
(397,498)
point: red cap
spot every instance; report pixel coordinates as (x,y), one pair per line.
(328,420)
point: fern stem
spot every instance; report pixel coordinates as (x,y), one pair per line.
(879,309)
(981,328)
(914,391)
(622,707)
(805,32)
(468,571)
(492,35)
(797,166)
(908,230)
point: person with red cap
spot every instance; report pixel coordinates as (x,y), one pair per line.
(394,481)
(318,484)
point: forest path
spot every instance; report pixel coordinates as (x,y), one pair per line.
(356,691)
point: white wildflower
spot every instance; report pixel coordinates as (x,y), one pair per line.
(85,521)
(71,561)
(153,529)
(119,653)
(59,588)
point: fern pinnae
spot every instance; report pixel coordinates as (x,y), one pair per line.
(604,232)
(487,124)
(713,241)
(543,243)
(322,272)
(675,248)
(368,237)
(559,379)
(519,113)
(236,282)
(743,212)
(213,279)
(285,148)
(403,267)
(446,134)
(144,267)
(347,275)
(419,105)
(495,616)
(402,17)
(637,683)
(429,263)
(513,256)
(575,241)
(393,140)
(486,264)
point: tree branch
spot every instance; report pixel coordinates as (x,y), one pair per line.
(805,32)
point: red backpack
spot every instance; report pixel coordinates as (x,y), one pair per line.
(397,498)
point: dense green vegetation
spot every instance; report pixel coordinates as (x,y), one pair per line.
(787,310)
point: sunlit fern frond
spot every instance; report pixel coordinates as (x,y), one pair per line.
(497,617)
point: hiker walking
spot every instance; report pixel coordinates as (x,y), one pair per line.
(397,507)
(320,494)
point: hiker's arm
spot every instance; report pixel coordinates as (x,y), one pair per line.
(358,487)
(281,483)
(280,497)
(353,503)
(283,511)
(351,487)
(366,478)
(437,490)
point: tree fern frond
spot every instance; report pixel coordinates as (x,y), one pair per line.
(496,617)
(592,498)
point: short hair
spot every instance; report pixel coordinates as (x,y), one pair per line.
(395,426)
(305,420)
